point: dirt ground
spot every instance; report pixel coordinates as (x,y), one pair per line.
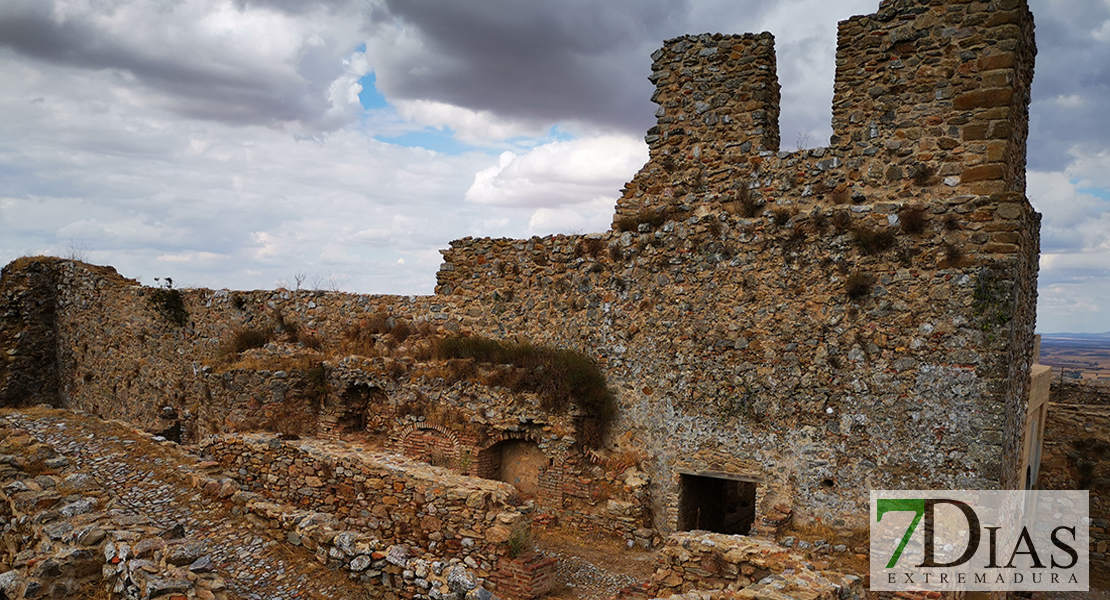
(592,567)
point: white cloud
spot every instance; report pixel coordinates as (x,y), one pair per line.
(560,173)
(1074,279)
(1102,34)
(587,217)
(1070,101)
(472,127)
(1090,167)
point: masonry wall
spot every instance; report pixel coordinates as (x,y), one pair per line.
(823,322)
(399,501)
(720,303)
(1077,455)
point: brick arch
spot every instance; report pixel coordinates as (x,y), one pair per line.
(430,442)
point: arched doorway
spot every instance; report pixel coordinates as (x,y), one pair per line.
(517,461)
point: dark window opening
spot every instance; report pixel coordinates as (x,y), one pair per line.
(716,504)
(355,400)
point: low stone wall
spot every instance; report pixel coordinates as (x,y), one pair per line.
(750,567)
(62,535)
(397,500)
(393,567)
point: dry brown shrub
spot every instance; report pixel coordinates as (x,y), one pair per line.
(912,219)
(858,285)
(872,241)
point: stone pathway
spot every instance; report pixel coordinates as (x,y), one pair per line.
(139,473)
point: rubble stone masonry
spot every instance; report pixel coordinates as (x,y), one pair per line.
(819,322)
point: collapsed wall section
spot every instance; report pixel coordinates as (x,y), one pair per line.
(398,500)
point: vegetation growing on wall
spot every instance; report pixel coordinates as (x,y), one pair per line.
(560,377)
(169,303)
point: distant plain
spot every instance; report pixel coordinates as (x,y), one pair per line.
(1083,353)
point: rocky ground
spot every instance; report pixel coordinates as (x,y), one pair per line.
(594,567)
(143,479)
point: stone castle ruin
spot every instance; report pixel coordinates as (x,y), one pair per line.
(780,332)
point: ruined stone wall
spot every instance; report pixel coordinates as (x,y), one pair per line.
(823,322)
(705,561)
(791,316)
(398,500)
(1076,455)
(28,337)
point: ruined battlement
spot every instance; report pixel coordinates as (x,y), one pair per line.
(935,92)
(782,331)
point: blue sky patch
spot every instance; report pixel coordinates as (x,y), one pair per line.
(438,140)
(1100,193)
(369,96)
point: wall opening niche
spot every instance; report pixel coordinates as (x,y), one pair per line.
(715,503)
(518,462)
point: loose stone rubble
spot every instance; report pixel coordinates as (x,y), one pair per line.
(64,533)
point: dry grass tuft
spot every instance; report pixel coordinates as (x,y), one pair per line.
(858,285)
(872,241)
(912,219)
(559,377)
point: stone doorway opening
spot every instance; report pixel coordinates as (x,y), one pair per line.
(717,504)
(518,462)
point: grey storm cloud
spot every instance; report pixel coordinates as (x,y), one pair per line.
(1073,64)
(546,61)
(193,81)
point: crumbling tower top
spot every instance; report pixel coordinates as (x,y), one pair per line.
(937,91)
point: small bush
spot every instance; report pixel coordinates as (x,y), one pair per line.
(655,217)
(714,228)
(169,303)
(820,221)
(558,376)
(781,217)
(377,323)
(912,220)
(309,340)
(842,220)
(749,207)
(591,247)
(953,254)
(924,176)
(244,339)
(622,224)
(841,196)
(873,241)
(401,331)
(616,253)
(952,222)
(858,285)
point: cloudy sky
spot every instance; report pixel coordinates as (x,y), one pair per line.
(340,143)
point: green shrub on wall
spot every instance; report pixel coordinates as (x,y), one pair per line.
(558,376)
(169,303)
